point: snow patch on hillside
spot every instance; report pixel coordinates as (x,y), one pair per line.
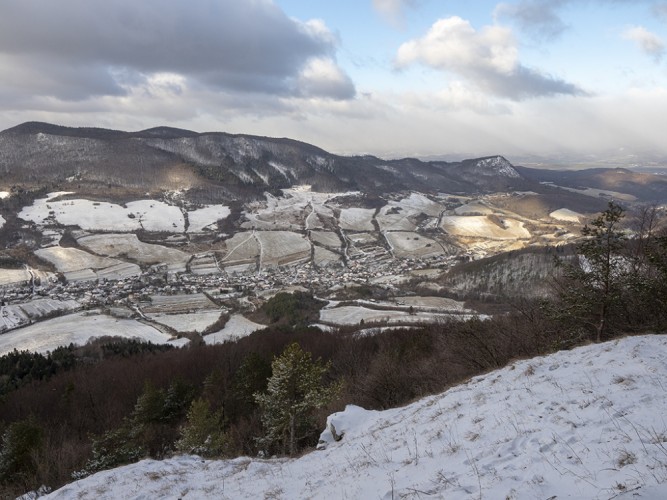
(565,215)
(77,329)
(586,423)
(497,165)
(236,327)
(478,226)
(206,217)
(90,215)
(17,315)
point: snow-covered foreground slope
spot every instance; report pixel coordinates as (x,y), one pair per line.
(588,423)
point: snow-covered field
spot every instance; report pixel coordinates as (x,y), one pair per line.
(353,315)
(357,219)
(80,265)
(597,193)
(420,203)
(204,264)
(433,303)
(402,215)
(324,258)
(76,328)
(67,259)
(241,248)
(150,215)
(238,326)
(478,226)
(582,424)
(326,238)
(129,246)
(565,215)
(407,244)
(206,217)
(17,315)
(473,208)
(89,215)
(282,247)
(13,276)
(392,217)
(284,212)
(187,322)
(178,304)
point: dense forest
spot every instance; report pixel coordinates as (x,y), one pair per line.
(78,410)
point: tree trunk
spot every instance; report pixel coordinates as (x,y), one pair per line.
(292,435)
(601,324)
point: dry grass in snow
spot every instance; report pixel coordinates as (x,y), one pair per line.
(585,424)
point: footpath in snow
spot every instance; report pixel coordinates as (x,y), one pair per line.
(590,423)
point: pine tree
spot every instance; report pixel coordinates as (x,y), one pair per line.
(594,286)
(149,407)
(19,444)
(202,434)
(294,392)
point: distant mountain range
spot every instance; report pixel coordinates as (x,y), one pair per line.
(218,166)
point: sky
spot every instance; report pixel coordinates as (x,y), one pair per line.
(386,77)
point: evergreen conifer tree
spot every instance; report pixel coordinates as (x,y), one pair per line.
(202,434)
(594,285)
(295,390)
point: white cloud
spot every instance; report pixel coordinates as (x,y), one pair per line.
(322,78)
(649,42)
(487,59)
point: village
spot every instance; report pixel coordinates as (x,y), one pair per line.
(364,269)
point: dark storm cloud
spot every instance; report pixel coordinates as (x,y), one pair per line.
(79,48)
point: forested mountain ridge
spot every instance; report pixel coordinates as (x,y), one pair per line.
(229,166)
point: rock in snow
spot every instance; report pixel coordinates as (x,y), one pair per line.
(587,423)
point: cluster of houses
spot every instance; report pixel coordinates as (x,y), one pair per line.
(93,293)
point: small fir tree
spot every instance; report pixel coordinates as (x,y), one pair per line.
(202,434)
(20,443)
(295,390)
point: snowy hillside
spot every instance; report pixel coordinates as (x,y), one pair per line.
(588,423)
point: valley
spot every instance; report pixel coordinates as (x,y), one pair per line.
(237,219)
(145,275)
(118,260)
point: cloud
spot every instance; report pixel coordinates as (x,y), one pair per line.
(660,10)
(393,9)
(76,49)
(538,18)
(541,18)
(487,59)
(321,78)
(649,42)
